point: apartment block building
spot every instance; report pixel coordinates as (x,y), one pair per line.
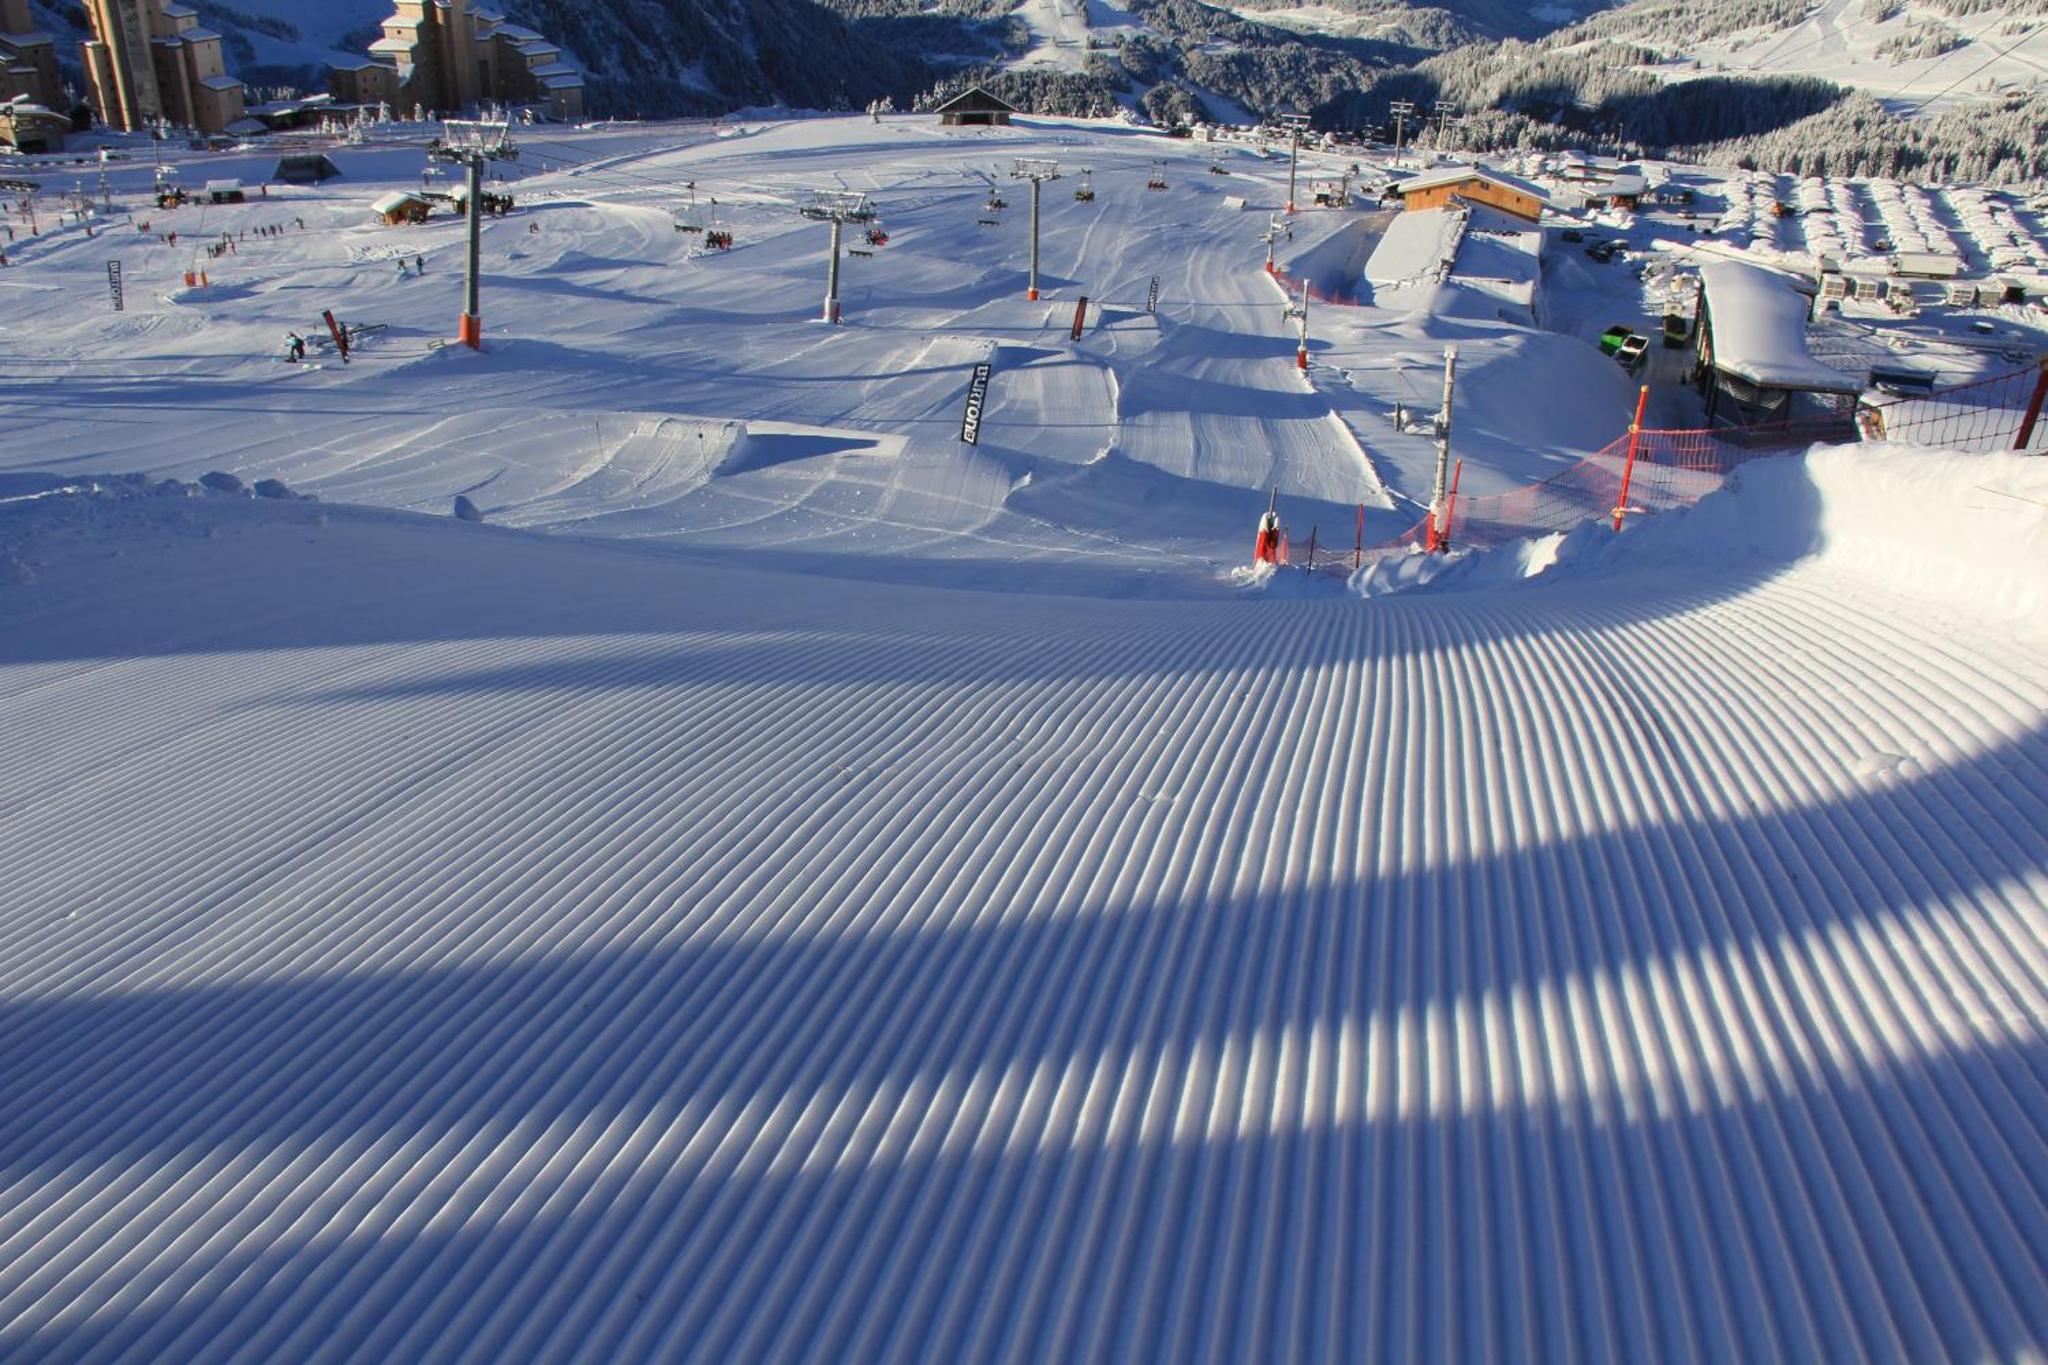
(444,56)
(28,59)
(151,61)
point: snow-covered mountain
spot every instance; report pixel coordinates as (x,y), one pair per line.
(1523,75)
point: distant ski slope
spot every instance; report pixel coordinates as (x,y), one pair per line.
(423,942)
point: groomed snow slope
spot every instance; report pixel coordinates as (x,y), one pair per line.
(421,941)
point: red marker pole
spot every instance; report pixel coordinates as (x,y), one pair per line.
(1635,438)
(2033,416)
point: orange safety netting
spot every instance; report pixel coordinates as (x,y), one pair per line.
(1677,468)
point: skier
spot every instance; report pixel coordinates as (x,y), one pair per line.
(402,272)
(419,263)
(295,349)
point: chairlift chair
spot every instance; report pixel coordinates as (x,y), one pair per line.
(878,235)
(1084,192)
(1157,181)
(689,218)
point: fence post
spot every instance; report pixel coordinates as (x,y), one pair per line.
(1628,470)
(2026,435)
(1310,566)
(1451,502)
(1358,550)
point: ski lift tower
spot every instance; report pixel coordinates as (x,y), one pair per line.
(1402,110)
(1297,313)
(1296,125)
(1271,237)
(837,207)
(1037,170)
(472,145)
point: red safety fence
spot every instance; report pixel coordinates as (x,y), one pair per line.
(1676,469)
(1317,294)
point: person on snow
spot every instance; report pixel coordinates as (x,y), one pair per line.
(403,274)
(419,263)
(295,349)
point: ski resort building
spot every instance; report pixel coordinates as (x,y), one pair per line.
(1476,185)
(975,107)
(28,59)
(1754,365)
(150,62)
(28,127)
(401,206)
(439,56)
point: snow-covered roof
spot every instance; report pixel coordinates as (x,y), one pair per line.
(395,200)
(1759,330)
(220,82)
(247,125)
(1454,175)
(974,99)
(1415,248)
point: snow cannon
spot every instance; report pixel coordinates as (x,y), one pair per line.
(1266,547)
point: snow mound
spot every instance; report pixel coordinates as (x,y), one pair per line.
(1967,531)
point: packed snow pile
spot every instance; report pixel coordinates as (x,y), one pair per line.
(1968,531)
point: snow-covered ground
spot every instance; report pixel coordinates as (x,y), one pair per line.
(1843,41)
(792,884)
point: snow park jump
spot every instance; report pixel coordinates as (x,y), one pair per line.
(790,804)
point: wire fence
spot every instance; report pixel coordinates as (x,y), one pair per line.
(1983,416)
(1674,469)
